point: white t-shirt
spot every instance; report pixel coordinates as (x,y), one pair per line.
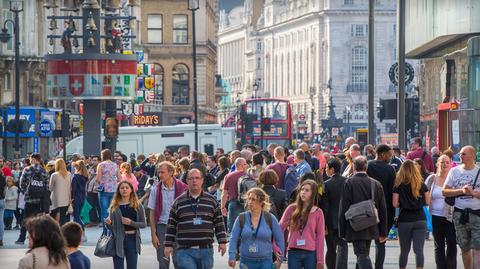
(459,177)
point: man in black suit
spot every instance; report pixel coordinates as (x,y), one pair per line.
(358,188)
(381,170)
(337,248)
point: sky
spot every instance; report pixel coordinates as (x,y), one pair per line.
(227,5)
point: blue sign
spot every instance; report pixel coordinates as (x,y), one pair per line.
(26,114)
(35,144)
(45,128)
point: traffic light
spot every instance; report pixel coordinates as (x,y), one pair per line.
(266,124)
(111,127)
(381,110)
(66,131)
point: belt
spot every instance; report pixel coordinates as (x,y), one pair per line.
(196,247)
(468,210)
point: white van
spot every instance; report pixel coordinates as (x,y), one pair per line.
(155,139)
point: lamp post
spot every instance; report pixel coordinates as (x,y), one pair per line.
(347,118)
(16,6)
(194,5)
(255,89)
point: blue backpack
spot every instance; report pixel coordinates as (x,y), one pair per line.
(290,182)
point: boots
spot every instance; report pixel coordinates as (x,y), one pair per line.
(8,223)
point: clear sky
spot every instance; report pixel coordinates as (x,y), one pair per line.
(227,5)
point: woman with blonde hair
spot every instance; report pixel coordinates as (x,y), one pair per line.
(305,223)
(253,232)
(351,154)
(126,218)
(442,216)
(410,194)
(60,186)
(126,170)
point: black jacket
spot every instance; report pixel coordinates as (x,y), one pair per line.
(385,174)
(277,197)
(333,191)
(357,189)
(148,167)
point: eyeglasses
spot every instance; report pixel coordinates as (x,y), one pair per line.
(192,178)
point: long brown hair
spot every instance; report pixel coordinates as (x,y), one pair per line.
(300,215)
(117,198)
(81,168)
(409,174)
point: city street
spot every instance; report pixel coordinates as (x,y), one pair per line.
(11,253)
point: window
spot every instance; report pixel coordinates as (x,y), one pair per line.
(348,2)
(158,84)
(359,69)
(180,85)
(359,30)
(180,29)
(7,82)
(360,112)
(155,31)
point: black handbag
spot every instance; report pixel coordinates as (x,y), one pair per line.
(105,245)
(451,200)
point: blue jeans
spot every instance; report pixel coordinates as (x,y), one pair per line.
(256,264)
(234,209)
(194,258)
(105,198)
(2,223)
(130,253)
(298,258)
(77,209)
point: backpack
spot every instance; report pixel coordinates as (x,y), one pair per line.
(244,184)
(37,187)
(290,182)
(241,219)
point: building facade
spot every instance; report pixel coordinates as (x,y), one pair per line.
(166,39)
(313,50)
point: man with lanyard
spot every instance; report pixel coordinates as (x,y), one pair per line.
(462,182)
(160,202)
(194,218)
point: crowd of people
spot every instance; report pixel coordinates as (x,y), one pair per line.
(263,207)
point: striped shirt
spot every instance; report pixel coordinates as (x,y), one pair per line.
(181,227)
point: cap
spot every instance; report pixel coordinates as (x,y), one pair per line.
(137,169)
(52,163)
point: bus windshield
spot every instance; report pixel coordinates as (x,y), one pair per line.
(276,110)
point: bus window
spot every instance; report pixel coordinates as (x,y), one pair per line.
(208,149)
(174,148)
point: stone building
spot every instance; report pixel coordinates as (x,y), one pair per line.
(166,39)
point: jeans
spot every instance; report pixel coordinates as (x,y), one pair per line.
(234,209)
(95,212)
(444,233)
(163,262)
(2,223)
(129,251)
(337,251)
(408,232)
(256,264)
(105,198)
(31,210)
(361,248)
(194,258)
(299,258)
(379,254)
(77,209)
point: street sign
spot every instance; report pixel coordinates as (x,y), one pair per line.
(301,117)
(334,131)
(45,128)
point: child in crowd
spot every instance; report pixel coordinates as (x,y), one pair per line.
(72,232)
(11,197)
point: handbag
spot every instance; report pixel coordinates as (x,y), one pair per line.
(70,209)
(105,245)
(364,214)
(451,200)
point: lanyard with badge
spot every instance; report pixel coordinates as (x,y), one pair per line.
(196,220)
(301,241)
(253,247)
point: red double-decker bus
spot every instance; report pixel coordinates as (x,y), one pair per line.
(280,113)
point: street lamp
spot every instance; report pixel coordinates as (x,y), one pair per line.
(255,89)
(16,6)
(347,118)
(194,5)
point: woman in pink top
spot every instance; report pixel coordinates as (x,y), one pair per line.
(306,227)
(126,170)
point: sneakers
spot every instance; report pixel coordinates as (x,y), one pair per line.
(84,237)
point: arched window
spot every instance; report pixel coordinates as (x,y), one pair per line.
(359,68)
(159,75)
(180,85)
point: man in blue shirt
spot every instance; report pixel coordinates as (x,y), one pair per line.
(300,163)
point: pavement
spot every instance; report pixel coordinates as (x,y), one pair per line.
(10,253)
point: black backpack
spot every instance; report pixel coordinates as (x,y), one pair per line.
(244,184)
(37,187)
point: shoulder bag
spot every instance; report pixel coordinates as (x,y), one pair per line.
(364,214)
(451,200)
(105,245)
